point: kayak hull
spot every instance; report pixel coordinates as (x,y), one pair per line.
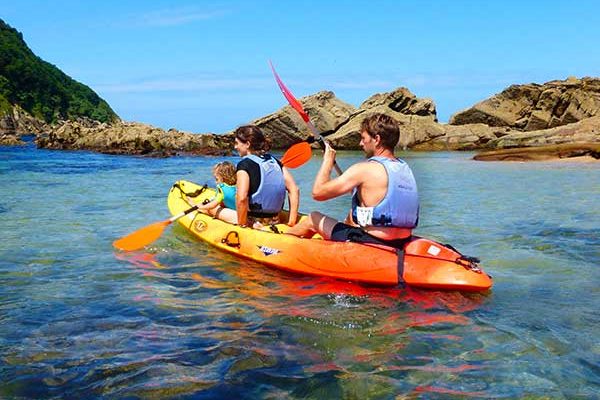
(423,263)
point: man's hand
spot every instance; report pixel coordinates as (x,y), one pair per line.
(329,155)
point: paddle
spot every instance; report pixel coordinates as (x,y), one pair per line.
(294,157)
(298,107)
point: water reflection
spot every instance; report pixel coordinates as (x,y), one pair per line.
(248,322)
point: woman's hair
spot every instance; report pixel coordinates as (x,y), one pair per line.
(383,125)
(253,135)
(225,171)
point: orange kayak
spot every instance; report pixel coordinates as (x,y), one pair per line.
(421,263)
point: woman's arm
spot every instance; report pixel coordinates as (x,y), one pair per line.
(294,193)
(241,196)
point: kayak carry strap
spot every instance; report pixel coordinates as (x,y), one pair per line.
(471,263)
(226,240)
(400,253)
(468,262)
(195,193)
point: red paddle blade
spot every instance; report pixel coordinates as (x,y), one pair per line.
(297,155)
(289,96)
(142,237)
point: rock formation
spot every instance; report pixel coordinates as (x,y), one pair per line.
(584,131)
(285,127)
(16,123)
(340,122)
(533,107)
(131,138)
(402,101)
(570,151)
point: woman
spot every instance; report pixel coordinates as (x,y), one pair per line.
(261,181)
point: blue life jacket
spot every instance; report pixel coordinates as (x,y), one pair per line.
(228,192)
(400,206)
(269,198)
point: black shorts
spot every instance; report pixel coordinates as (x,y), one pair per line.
(348,233)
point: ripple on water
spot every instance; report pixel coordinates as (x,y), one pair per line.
(181,319)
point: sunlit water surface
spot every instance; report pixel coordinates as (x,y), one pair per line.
(181,319)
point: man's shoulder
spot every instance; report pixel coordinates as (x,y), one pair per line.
(368,166)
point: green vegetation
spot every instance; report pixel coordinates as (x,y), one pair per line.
(40,88)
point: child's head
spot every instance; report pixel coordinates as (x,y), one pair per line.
(224,172)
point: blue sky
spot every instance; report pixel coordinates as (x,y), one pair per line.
(202,66)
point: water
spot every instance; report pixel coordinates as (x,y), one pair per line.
(183,320)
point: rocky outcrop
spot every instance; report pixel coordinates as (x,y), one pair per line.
(463,137)
(584,131)
(340,122)
(285,127)
(571,151)
(18,122)
(418,125)
(414,129)
(533,107)
(131,138)
(10,140)
(402,101)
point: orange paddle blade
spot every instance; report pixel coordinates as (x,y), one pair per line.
(297,155)
(142,237)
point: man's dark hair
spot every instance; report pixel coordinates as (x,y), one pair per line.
(383,125)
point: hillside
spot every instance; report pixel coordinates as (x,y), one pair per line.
(41,89)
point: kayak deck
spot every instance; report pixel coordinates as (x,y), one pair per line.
(423,263)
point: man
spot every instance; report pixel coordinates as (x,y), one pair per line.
(385,201)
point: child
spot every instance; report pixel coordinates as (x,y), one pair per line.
(222,206)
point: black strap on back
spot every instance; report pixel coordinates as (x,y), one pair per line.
(400,253)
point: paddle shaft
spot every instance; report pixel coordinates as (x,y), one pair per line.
(184,213)
(321,142)
(295,104)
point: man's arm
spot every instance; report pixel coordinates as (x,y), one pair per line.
(326,188)
(241,196)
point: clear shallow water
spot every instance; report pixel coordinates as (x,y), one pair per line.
(180,319)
